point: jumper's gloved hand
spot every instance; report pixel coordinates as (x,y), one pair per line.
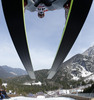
(46,2)
(37,2)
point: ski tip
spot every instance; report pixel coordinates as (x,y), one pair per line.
(32,75)
(51,74)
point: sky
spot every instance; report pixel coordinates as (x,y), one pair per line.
(43,37)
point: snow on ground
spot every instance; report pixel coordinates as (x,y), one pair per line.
(28,98)
(90,78)
(84,72)
(75,77)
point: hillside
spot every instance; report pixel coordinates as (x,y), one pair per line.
(6,72)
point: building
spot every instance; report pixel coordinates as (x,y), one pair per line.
(38,83)
(4,84)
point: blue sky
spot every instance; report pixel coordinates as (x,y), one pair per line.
(43,37)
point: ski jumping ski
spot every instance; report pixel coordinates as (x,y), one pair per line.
(76,17)
(14,16)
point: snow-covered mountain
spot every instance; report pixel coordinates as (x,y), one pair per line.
(89,52)
(80,66)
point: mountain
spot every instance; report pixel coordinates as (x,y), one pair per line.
(89,52)
(3,73)
(16,71)
(6,71)
(79,66)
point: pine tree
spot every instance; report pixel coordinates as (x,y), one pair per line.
(0,83)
